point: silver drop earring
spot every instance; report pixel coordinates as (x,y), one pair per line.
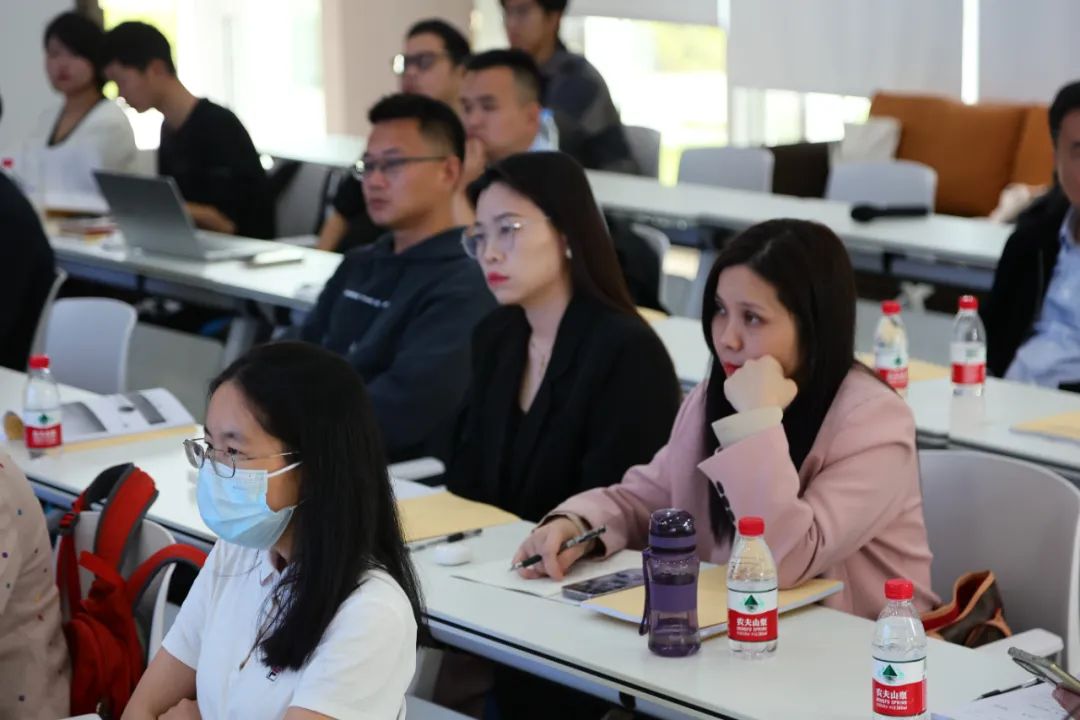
(569,253)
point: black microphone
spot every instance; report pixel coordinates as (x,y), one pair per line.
(865,212)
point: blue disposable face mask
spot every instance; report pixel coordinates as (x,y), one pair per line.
(235,508)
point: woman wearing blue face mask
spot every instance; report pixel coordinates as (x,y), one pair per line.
(307,606)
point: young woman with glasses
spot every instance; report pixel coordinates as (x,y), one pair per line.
(307,606)
(570,386)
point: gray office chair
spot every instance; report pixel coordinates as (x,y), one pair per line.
(1022,522)
(738,168)
(891,182)
(299,204)
(645,147)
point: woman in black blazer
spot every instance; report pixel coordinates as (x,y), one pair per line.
(570,386)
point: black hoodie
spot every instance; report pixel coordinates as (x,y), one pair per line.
(404,322)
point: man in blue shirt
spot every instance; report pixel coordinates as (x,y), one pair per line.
(1033,313)
(402,310)
(588,123)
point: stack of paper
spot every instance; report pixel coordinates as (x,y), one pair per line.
(712,600)
(443,513)
(1030,703)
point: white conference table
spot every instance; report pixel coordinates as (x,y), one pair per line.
(974,244)
(230,285)
(563,642)
(986,423)
(291,285)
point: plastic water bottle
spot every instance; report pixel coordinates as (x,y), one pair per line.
(899,653)
(41,408)
(891,348)
(968,349)
(671,580)
(752,593)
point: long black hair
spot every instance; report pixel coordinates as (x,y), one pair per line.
(556,183)
(808,266)
(346,523)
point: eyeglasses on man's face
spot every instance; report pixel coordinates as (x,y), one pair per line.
(389,167)
(422,61)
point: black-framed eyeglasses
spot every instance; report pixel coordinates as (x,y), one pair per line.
(422,61)
(389,167)
(476,238)
(198,451)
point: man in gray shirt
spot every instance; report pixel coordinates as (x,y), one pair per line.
(588,123)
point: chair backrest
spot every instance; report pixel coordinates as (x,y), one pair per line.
(147,540)
(659,243)
(299,204)
(87,341)
(645,148)
(892,182)
(38,346)
(739,168)
(989,512)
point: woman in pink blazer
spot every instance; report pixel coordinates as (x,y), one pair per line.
(788,427)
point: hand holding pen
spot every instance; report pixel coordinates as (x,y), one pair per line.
(552,548)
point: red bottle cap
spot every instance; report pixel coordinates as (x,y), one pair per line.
(751,527)
(899,589)
(39,362)
(890,307)
(7,163)
(969,302)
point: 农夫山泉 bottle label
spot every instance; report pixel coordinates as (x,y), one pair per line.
(968,363)
(752,616)
(42,429)
(899,688)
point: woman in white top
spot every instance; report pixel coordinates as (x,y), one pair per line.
(307,606)
(86,119)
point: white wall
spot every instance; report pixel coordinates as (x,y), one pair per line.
(360,38)
(23,85)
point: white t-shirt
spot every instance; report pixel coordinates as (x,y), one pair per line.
(361,668)
(104,133)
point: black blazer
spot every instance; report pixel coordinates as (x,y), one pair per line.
(607,402)
(29,270)
(1022,279)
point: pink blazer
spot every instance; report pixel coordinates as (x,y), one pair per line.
(852,512)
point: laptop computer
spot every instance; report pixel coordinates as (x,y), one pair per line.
(152,216)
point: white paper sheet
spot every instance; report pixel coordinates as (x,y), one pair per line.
(497,573)
(1032,703)
(123,414)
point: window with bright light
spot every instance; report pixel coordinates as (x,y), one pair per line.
(260,58)
(665,76)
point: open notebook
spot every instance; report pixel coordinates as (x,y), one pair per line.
(712,600)
(1065,426)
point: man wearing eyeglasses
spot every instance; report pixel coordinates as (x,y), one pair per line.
(587,120)
(432,64)
(402,310)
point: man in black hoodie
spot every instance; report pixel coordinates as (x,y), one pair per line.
(402,310)
(1033,313)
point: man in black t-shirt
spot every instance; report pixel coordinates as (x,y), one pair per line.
(204,147)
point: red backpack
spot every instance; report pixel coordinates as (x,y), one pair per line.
(107,657)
